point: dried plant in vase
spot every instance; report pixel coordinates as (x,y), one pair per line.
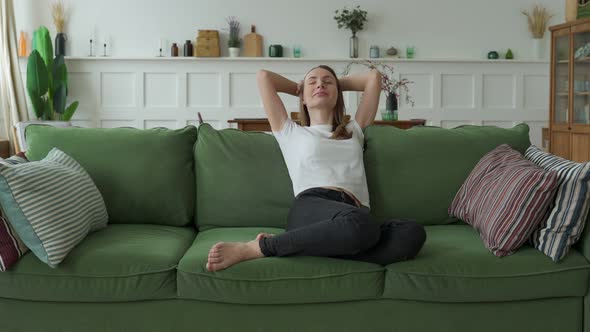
(58,12)
(537,19)
(389,85)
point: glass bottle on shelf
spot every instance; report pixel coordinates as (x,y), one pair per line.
(561,66)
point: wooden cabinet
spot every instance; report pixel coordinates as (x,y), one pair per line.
(569,118)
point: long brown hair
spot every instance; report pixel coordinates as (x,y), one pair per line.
(339,121)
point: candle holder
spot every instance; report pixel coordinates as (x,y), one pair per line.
(161,42)
(91,48)
(105,42)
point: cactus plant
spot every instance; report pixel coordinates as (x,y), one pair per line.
(47,80)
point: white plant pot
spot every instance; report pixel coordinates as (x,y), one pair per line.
(234,52)
(538,49)
(21,126)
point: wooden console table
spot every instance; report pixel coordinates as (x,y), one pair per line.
(261,124)
(4,148)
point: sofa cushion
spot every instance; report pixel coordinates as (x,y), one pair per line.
(415,173)
(145,176)
(455,266)
(237,171)
(274,280)
(120,263)
(52,204)
(569,211)
(505,198)
(12,247)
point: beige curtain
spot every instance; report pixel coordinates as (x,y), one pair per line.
(12,94)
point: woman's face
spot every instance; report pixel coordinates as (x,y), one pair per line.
(320,89)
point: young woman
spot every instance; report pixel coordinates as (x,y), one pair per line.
(324,155)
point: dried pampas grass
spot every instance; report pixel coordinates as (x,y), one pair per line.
(537,20)
(58,12)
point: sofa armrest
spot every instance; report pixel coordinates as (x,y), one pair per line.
(583,244)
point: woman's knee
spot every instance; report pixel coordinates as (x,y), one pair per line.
(415,235)
(365,231)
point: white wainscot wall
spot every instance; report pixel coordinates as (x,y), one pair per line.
(168,92)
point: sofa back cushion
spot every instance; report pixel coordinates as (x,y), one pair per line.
(415,173)
(144,176)
(242,180)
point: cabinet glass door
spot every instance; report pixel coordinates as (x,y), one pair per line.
(561,67)
(581,112)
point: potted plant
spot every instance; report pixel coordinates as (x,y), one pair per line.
(353,20)
(389,85)
(234,37)
(47,86)
(538,19)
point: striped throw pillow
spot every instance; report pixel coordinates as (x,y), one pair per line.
(11,246)
(52,204)
(569,210)
(504,198)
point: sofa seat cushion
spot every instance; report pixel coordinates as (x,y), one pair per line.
(455,266)
(274,280)
(119,263)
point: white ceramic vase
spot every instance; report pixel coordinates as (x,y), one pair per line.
(538,49)
(234,52)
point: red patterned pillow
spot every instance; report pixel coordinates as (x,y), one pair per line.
(505,198)
(11,247)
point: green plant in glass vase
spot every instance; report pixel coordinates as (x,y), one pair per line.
(353,20)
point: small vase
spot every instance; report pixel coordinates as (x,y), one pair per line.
(234,52)
(60,44)
(538,49)
(354,47)
(391,107)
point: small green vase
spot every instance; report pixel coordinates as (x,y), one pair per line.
(509,55)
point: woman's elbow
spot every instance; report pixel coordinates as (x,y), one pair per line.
(262,74)
(375,75)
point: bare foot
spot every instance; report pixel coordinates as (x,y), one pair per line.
(225,254)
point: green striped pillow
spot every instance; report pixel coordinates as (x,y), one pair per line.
(52,204)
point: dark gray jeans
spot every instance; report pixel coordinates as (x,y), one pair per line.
(325,222)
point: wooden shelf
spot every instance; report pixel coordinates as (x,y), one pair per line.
(291,59)
(583,59)
(585,93)
(563,61)
(562,94)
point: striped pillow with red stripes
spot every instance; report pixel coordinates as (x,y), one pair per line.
(11,247)
(505,197)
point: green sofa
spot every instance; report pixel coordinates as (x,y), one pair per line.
(172,194)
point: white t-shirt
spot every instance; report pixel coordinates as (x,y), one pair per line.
(315,160)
